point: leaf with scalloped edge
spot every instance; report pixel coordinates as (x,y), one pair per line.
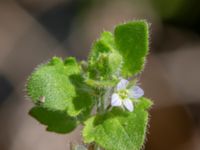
(60,86)
(119,129)
(55,121)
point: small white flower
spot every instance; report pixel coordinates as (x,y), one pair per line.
(123,96)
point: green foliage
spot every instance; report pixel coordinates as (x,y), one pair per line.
(56,121)
(132,43)
(65,92)
(119,129)
(124,53)
(104,61)
(61,85)
(101,84)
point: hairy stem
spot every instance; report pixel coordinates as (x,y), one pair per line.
(100,109)
(97,147)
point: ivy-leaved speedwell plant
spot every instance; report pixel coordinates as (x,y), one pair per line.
(101,94)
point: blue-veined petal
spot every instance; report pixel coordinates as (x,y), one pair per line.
(128,104)
(116,100)
(122,84)
(136,92)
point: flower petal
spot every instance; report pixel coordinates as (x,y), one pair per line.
(136,92)
(128,104)
(122,84)
(116,100)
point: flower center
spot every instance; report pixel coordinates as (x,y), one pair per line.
(123,94)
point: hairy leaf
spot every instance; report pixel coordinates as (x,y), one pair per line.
(104,60)
(119,129)
(131,40)
(59,86)
(100,84)
(56,121)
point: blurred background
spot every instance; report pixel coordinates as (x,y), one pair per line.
(32,31)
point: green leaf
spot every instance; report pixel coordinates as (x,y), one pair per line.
(60,86)
(132,43)
(119,129)
(101,84)
(56,121)
(104,61)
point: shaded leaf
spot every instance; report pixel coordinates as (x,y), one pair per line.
(55,121)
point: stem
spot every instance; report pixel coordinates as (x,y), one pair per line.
(100,101)
(96,147)
(71,146)
(100,109)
